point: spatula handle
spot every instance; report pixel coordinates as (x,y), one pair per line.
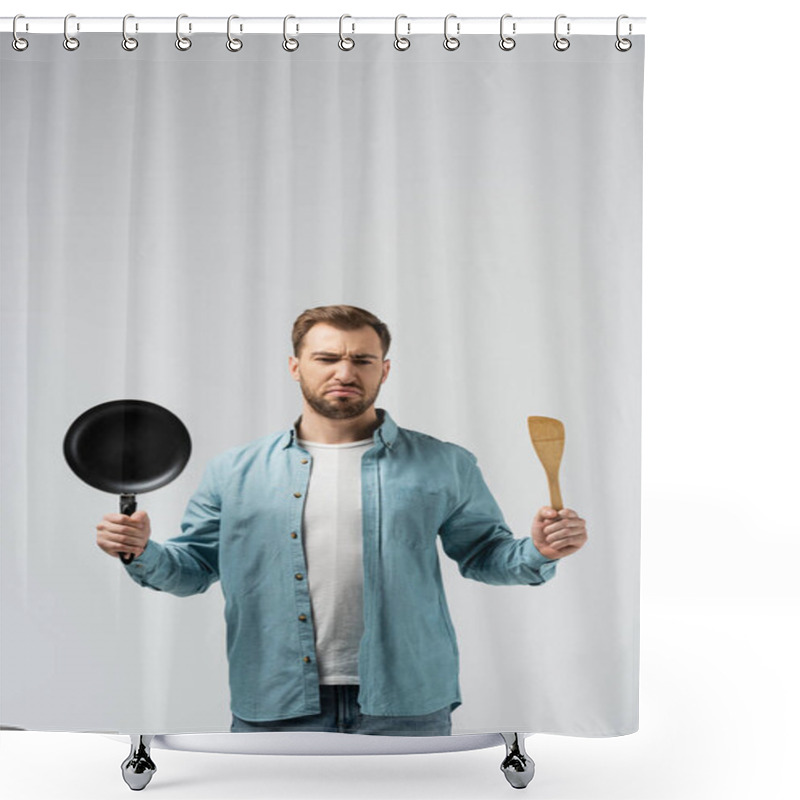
(555,493)
(127,505)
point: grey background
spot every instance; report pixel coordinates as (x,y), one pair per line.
(166,215)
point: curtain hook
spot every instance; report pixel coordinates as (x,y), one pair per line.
(128,42)
(561,43)
(70,42)
(507,42)
(400,42)
(289,44)
(345,42)
(182,42)
(18,43)
(623,45)
(234,45)
(451,42)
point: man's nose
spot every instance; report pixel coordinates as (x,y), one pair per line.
(345,370)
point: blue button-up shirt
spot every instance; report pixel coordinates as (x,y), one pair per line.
(244,526)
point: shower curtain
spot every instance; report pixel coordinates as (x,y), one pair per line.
(167,214)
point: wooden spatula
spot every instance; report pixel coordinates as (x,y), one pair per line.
(547,435)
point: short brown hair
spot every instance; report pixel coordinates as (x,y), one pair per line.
(346,318)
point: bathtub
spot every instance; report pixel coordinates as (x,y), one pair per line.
(139,767)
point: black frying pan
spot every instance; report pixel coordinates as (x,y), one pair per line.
(127,447)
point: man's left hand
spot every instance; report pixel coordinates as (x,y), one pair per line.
(558,533)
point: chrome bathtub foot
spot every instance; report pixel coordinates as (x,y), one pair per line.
(518,766)
(138,768)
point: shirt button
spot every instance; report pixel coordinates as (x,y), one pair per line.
(304,461)
(302,618)
(298,494)
(307,659)
(299,576)
(293,534)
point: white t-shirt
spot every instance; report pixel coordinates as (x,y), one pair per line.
(332,538)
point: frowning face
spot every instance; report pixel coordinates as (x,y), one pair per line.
(340,372)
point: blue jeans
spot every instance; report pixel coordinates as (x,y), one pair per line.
(340,714)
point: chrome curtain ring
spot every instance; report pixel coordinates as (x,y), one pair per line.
(234,45)
(182,42)
(623,45)
(561,43)
(400,42)
(70,42)
(345,42)
(18,43)
(451,42)
(289,44)
(507,42)
(128,42)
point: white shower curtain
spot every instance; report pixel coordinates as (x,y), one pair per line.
(166,216)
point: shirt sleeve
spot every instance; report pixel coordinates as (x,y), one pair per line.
(186,564)
(476,536)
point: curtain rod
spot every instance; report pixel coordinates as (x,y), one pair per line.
(407,25)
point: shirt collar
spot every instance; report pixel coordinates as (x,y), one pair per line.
(385,433)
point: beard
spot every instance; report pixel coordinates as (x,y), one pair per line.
(347,407)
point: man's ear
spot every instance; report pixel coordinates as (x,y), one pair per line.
(294,365)
(387,365)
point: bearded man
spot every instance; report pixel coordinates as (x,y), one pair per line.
(323,538)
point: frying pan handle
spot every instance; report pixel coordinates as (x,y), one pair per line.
(127,505)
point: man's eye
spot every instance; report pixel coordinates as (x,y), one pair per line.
(327,360)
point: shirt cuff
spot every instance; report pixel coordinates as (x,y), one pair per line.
(147,561)
(546,567)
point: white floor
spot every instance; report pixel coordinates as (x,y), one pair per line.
(719,701)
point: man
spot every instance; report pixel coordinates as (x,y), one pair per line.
(324,540)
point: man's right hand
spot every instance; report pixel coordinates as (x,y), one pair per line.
(119,533)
